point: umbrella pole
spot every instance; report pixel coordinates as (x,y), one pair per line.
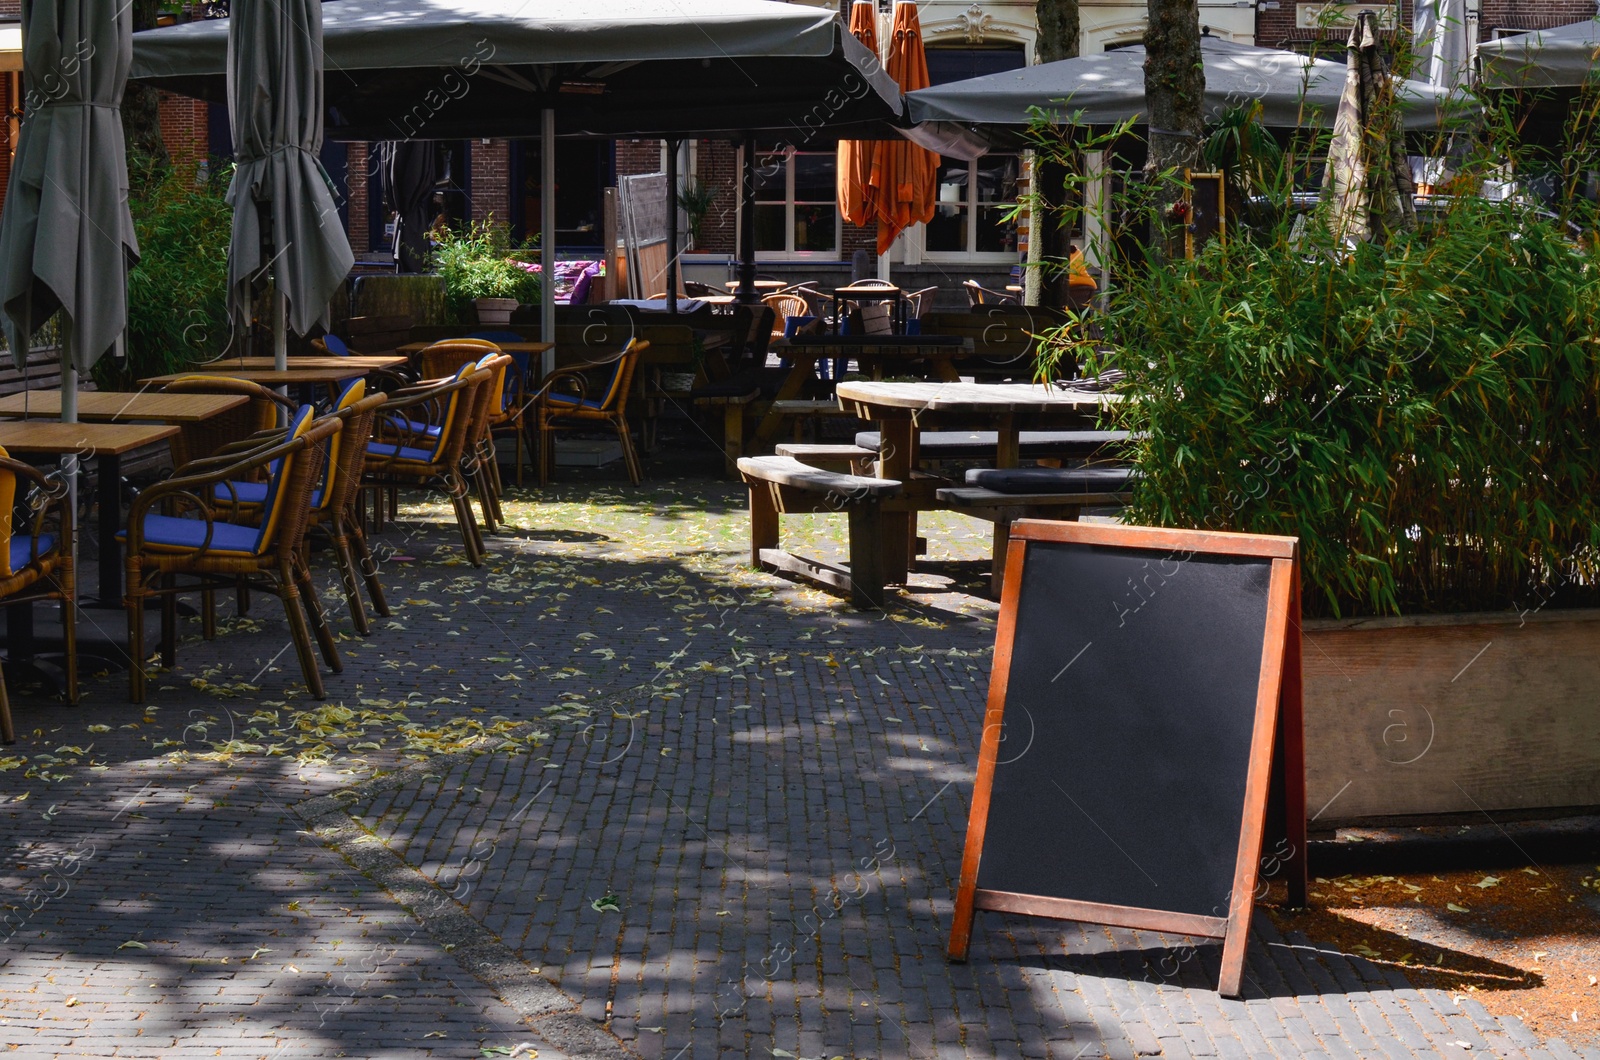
(672,228)
(547,241)
(69,414)
(280,342)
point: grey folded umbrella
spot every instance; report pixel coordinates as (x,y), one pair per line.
(284,217)
(66,237)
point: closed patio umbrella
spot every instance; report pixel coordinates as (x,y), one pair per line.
(1368,178)
(66,237)
(903,173)
(855,156)
(284,218)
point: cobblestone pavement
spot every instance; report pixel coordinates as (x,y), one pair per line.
(613,794)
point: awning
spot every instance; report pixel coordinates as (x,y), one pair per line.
(993,112)
(441,69)
(1548,58)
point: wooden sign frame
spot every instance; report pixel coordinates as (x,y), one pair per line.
(1276,760)
(1207,219)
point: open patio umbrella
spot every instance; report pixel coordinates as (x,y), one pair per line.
(903,173)
(969,118)
(855,156)
(442,69)
(66,237)
(1368,178)
(1564,57)
(284,218)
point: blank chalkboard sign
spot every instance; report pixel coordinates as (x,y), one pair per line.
(1145,702)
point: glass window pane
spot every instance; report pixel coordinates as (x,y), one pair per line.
(997,178)
(771,176)
(769,227)
(947,232)
(994,233)
(816,227)
(814,179)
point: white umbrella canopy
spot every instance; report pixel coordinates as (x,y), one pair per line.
(1565,57)
(66,237)
(284,218)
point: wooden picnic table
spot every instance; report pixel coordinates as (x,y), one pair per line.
(928,355)
(109,406)
(107,443)
(903,410)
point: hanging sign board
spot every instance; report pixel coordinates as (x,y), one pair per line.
(1144,705)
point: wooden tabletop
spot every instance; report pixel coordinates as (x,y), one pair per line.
(106,406)
(411,349)
(271,377)
(44,438)
(979,398)
(760,285)
(368,363)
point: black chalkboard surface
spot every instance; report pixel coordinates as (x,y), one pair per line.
(1142,679)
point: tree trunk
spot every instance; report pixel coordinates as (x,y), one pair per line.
(141,116)
(1174,88)
(1058,29)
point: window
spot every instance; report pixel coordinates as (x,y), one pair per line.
(970,215)
(795,209)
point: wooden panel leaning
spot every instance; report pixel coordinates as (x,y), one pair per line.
(782,485)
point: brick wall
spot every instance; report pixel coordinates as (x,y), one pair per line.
(491,180)
(359,209)
(1276,29)
(1531,14)
(183,127)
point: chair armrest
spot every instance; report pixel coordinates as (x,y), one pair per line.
(46,494)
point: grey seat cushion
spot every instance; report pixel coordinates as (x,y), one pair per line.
(956,445)
(1051,479)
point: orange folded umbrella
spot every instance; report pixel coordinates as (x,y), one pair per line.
(903,174)
(855,156)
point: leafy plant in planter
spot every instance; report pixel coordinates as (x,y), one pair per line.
(695,199)
(1424,416)
(177,294)
(480,261)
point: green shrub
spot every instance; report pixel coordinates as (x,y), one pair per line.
(1421,414)
(479,261)
(177,294)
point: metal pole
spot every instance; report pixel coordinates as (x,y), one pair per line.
(69,414)
(672,227)
(547,241)
(747,227)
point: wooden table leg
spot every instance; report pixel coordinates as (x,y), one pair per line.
(1007,440)
(800,370)
(110,504)
(733,435)
(895,461)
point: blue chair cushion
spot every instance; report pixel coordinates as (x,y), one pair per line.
(573,400)
(415,428)
(335,345)
(186,535)
(22,549)
(1051,479)
(406,452)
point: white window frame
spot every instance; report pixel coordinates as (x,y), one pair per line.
(984,257)
(789,253)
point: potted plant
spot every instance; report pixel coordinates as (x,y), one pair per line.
(1421,413)
(481,268)
(695,199)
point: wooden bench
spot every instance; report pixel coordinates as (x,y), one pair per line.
(1072,490)
(847,459)
(782,485)
(1031,445)
(800,410)
(732,405)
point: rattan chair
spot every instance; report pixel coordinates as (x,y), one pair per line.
(977,295)
(175,529)
(333,501)
(785,306)
(557,411)
(35,560)
(196,441)
(423,435)
(490,411)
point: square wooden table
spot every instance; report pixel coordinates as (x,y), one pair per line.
(106,442)
(292,376)
(108,406)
